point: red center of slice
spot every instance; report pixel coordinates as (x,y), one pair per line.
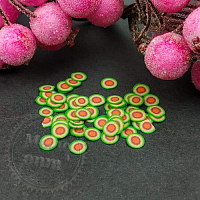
(78,146)
(135,140)
(116,112)
(45,111)
(137,115)
(48,94)
(92,133)
(60,130)
(42,100)
(81,100)
(136,99)
(65,86)
(73,114)
(146,125)
(111,128)
(156,110)
(114,99)
(47,88)
(79,130)
(58,97)
(96,99)
(61,118)
(79,76)
(110,137)
(91,110)
(101,122)
(73,81)
(82,113)
(46,120)
(151,100)
(124,117)
(61,107)
(128,131)
(141,89)
(48,142)
(109,83)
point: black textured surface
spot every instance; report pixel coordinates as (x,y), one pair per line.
(166,168)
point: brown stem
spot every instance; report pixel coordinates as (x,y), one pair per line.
(72,36)
(22,9)
(5,18)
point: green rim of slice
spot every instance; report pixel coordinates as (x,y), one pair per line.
(141,89)
(94,111)
(126,118)
(82,101)
(73,83)
(135,141)
(120,105)
(72,103)
(92,134)
(97,100)
(111,128)
(52,104)
(40,101)
(137,115)
(157,119)
(156,111)
(151,100)
(128,131)
(47,122)
(107,106)
(77,132)
(70,96)
(136,126)
(135,100)
(78,147)
(46,95)
(58,98)
(90,120)
(114,99)
(126,96)
(59,117)
(76,126)
(79,76)
(116,111)
(83,114)
(48,142)
(147,127)
(126,125)
(46,88)
(60,130)
(46,112)
(129,108)
(109,140)
(100,122)
(71,115)
(109,83)
(63,87)
(62,108)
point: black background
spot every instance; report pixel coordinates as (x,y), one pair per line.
(166,168)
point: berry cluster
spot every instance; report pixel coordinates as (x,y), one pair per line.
(50,25)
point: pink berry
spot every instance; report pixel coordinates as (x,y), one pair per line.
(170,6)
(17,44)
(108,13)
(52,48)
(167,56)
(32,2)
(195,74)
(79,8)
(11,12)
(51,26)
(191,31)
